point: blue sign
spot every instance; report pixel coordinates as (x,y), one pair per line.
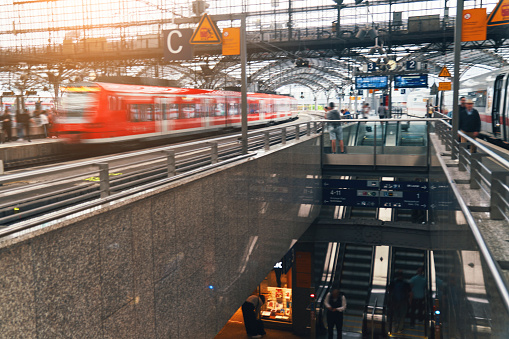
(410,200)
(411,65)
(411,81)
(374,82)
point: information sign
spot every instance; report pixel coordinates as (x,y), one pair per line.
(473,27)
(374,82)
(371,66)
(411,81)
(176,44)
(444,86)
(404,185)
(231,41)
(411,65)
(358,184)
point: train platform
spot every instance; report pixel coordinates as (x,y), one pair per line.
(23,152)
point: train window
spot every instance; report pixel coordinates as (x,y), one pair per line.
(219,110)
(254,108)
(134,114)
(233,109)
(149,113)
(172,111)
(479,99)
(112,103)
(187,111)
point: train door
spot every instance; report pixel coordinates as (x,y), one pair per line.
(505,109)
(498,99)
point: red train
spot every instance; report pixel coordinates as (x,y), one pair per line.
(106,112)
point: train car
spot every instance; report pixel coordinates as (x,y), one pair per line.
(491,98)
(110,113)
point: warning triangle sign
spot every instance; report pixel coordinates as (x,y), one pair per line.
(500,15)
(206,32)
(444,72)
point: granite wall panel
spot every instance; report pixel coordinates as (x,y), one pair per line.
(174,263)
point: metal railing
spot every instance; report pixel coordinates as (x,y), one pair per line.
(488,170)
(495,181)
(40,196)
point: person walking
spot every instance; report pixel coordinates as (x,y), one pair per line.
(335,130)
(335,303)
(365,111)
(470,122)
(418,284)
(399,296)
(43,119)
(381,111)
(7,124)
(250,311)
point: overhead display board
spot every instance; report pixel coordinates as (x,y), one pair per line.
(374,82)
(411,81)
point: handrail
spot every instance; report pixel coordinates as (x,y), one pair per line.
(483,247)
(373,319)
(492,154)
(82,164)
(24,225)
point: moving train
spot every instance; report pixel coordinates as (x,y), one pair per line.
(108,113)
(490,93)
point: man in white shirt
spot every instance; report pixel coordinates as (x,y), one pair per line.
(250,310)
(335,303)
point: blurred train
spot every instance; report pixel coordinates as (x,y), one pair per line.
(491,98)
(110,113)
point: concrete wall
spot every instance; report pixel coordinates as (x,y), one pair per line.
(142,268)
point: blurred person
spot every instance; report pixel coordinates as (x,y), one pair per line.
(7,124)
(335,303)
(382,109)
(23,121)
(365,111)
(43,120)
(250,311)
(470,122)
(399,296)
(347,114)
(418,284)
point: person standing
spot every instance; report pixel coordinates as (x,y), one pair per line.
(418,284)
(470,122)
(7,124)
(335,303)
(43,118)
(365,111)
(381,111)
(399,295)
(250,310)
(335,130)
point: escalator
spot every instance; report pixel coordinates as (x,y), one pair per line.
(354,280)
(408,260)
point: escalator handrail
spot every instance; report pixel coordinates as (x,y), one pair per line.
(373,319)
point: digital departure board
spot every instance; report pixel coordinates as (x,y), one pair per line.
(411,81)
(374,82)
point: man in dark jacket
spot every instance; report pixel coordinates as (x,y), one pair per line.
(7,124)
(470,122)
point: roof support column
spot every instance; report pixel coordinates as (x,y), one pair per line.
(456,79)
(243,61)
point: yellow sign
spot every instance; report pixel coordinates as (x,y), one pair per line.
(473,27)
(444,72)
(444,86)
(206,32)
(500,15)
(231,41)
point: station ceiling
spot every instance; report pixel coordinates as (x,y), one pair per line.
(278,33)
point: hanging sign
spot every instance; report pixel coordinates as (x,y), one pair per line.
(231,41)
(474,25)
(444,73)
(206,32)
(500,15)
(444,86)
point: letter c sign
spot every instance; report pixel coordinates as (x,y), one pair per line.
(176,44)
